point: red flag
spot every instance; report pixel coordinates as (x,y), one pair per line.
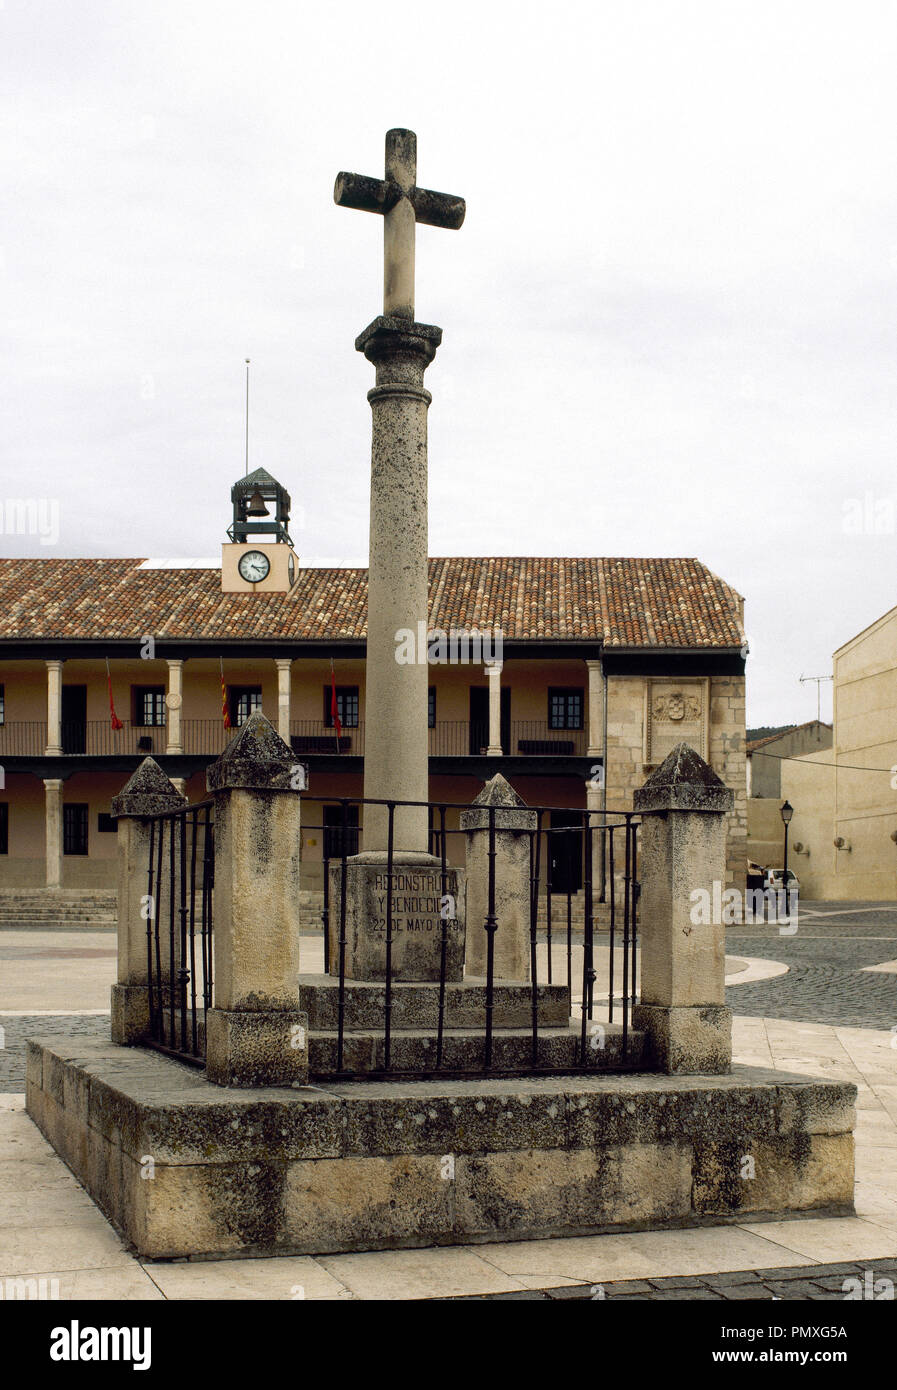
(225,711)
(334,707)
(116,722)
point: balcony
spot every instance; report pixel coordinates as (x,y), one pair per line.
(309,737)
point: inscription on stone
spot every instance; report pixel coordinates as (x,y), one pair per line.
(416,902)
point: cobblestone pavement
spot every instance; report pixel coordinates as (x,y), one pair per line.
(873,1279)
(826,982)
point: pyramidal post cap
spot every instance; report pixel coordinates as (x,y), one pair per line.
(147,793)
(683,782)
(256,758)
(512,812)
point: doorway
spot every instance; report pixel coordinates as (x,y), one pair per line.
(74,719)
(565,851)
(479,719)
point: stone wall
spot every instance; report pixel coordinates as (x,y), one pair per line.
(723,701)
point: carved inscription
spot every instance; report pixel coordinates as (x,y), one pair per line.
(416,901)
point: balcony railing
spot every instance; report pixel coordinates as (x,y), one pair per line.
(458,738)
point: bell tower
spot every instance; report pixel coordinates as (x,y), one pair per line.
(259,557)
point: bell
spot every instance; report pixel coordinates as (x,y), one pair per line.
(257,505)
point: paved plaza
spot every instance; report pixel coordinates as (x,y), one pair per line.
(822,1002)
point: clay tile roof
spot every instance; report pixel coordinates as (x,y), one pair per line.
(621,602)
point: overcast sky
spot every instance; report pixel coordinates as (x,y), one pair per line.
(669,316)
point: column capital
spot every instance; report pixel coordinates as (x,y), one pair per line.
(55,663)
(283,663)
(175,661)
(493,668)
(594,663)
(53,784)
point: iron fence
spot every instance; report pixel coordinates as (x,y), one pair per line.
(180,877)
(582,936)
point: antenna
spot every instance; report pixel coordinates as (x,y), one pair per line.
(247,417)
(818,680)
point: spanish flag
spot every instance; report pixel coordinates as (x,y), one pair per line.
(334,707)
(116,722)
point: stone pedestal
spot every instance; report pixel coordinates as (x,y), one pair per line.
(683,853)
(514,827)
(148,793)
(256,1034)
(419,912)
(396,735)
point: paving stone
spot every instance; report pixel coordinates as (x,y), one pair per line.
(744,1276)
(795,1288)
(678,1281)
(689,1295)
(739,1292)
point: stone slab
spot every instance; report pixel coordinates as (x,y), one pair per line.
(375,1165)
(416,1005)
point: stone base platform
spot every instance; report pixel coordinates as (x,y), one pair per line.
(184,1168)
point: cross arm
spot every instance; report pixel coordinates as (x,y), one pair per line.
(380,195)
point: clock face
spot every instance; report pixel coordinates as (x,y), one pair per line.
(292,570)
(253,566)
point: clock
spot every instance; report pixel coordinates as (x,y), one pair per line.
(254,566)
(291,569)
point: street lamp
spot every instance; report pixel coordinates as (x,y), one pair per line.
(787,812)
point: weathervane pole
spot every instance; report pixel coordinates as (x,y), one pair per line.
(247,417)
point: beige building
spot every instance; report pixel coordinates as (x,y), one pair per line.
(842,837)
(604,666)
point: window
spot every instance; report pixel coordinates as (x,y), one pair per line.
(2,704)
(106,824)
(431,707)
(4,827)
(346,705)
(565,708)
(74,829)
(243,701)
(149,706)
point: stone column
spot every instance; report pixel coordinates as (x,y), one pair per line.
(255,1034)
(493,671)
(396,736)
(53,808)
(148,793)
(54,709)
(173,702)
(284,667)
(683,806)
(514,825)
(596,710)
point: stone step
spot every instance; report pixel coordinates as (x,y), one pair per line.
(417,1005)
(414,1050)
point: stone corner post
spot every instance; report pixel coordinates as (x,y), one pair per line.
(515,825)
(684,808)
(255,1034)
(148,793)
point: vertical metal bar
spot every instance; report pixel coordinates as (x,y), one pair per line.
(491,925)
(636,891)
(341,994)
(626,897)
(172,973)
(325,914)
(535,862)
(443,944)
(208,878)
(613,922)
(588,921)
(194,1041)
(183,973)
(570,945)
(548,893)
(150,899)
(157,905)
(387,1003)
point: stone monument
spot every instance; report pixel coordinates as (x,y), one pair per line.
(397,741)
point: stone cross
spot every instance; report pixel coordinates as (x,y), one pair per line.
(401,204)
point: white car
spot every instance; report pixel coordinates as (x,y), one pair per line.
(773,879)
